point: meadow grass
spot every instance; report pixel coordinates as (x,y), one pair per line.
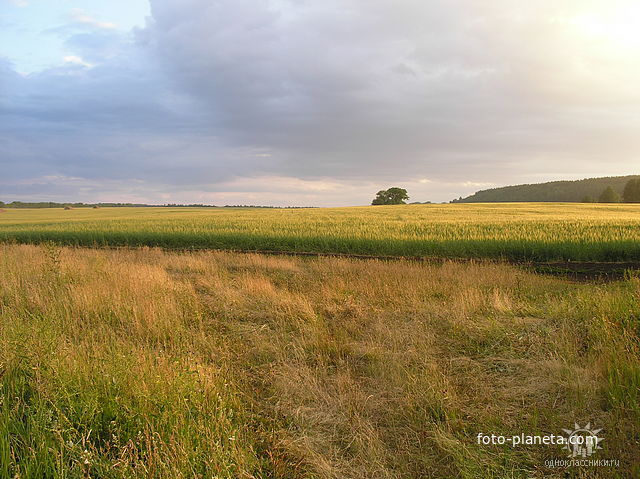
(536,232)
(149,364)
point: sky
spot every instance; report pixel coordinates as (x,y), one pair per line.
(309,103)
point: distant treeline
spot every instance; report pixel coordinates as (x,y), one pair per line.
(51,204)
(555,191)
(270,207)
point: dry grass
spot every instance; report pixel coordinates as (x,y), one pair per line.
(146,364)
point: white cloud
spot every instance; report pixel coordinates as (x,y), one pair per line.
(76,60)
(80,16)
(279,183)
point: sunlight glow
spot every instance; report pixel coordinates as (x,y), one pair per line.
(618,25)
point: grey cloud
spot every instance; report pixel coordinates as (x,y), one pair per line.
(326,85)
(339,90)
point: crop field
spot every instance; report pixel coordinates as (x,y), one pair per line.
(144,363)
(530,231)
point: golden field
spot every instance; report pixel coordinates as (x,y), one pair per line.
(514,231)
(143,363)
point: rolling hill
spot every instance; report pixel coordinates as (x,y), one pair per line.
(554,191)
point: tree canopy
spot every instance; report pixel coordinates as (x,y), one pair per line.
(609,195)
(392,196)
(631,192)
(555,191)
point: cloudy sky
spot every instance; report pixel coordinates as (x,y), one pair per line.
(302,102)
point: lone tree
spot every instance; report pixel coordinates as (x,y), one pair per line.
(609,195)
(392,196)
(631,193)
(588,199)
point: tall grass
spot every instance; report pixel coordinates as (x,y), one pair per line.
(516,231)
(141,363)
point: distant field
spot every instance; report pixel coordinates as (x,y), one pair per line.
(520,231)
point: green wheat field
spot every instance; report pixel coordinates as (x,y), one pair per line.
(531,231)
